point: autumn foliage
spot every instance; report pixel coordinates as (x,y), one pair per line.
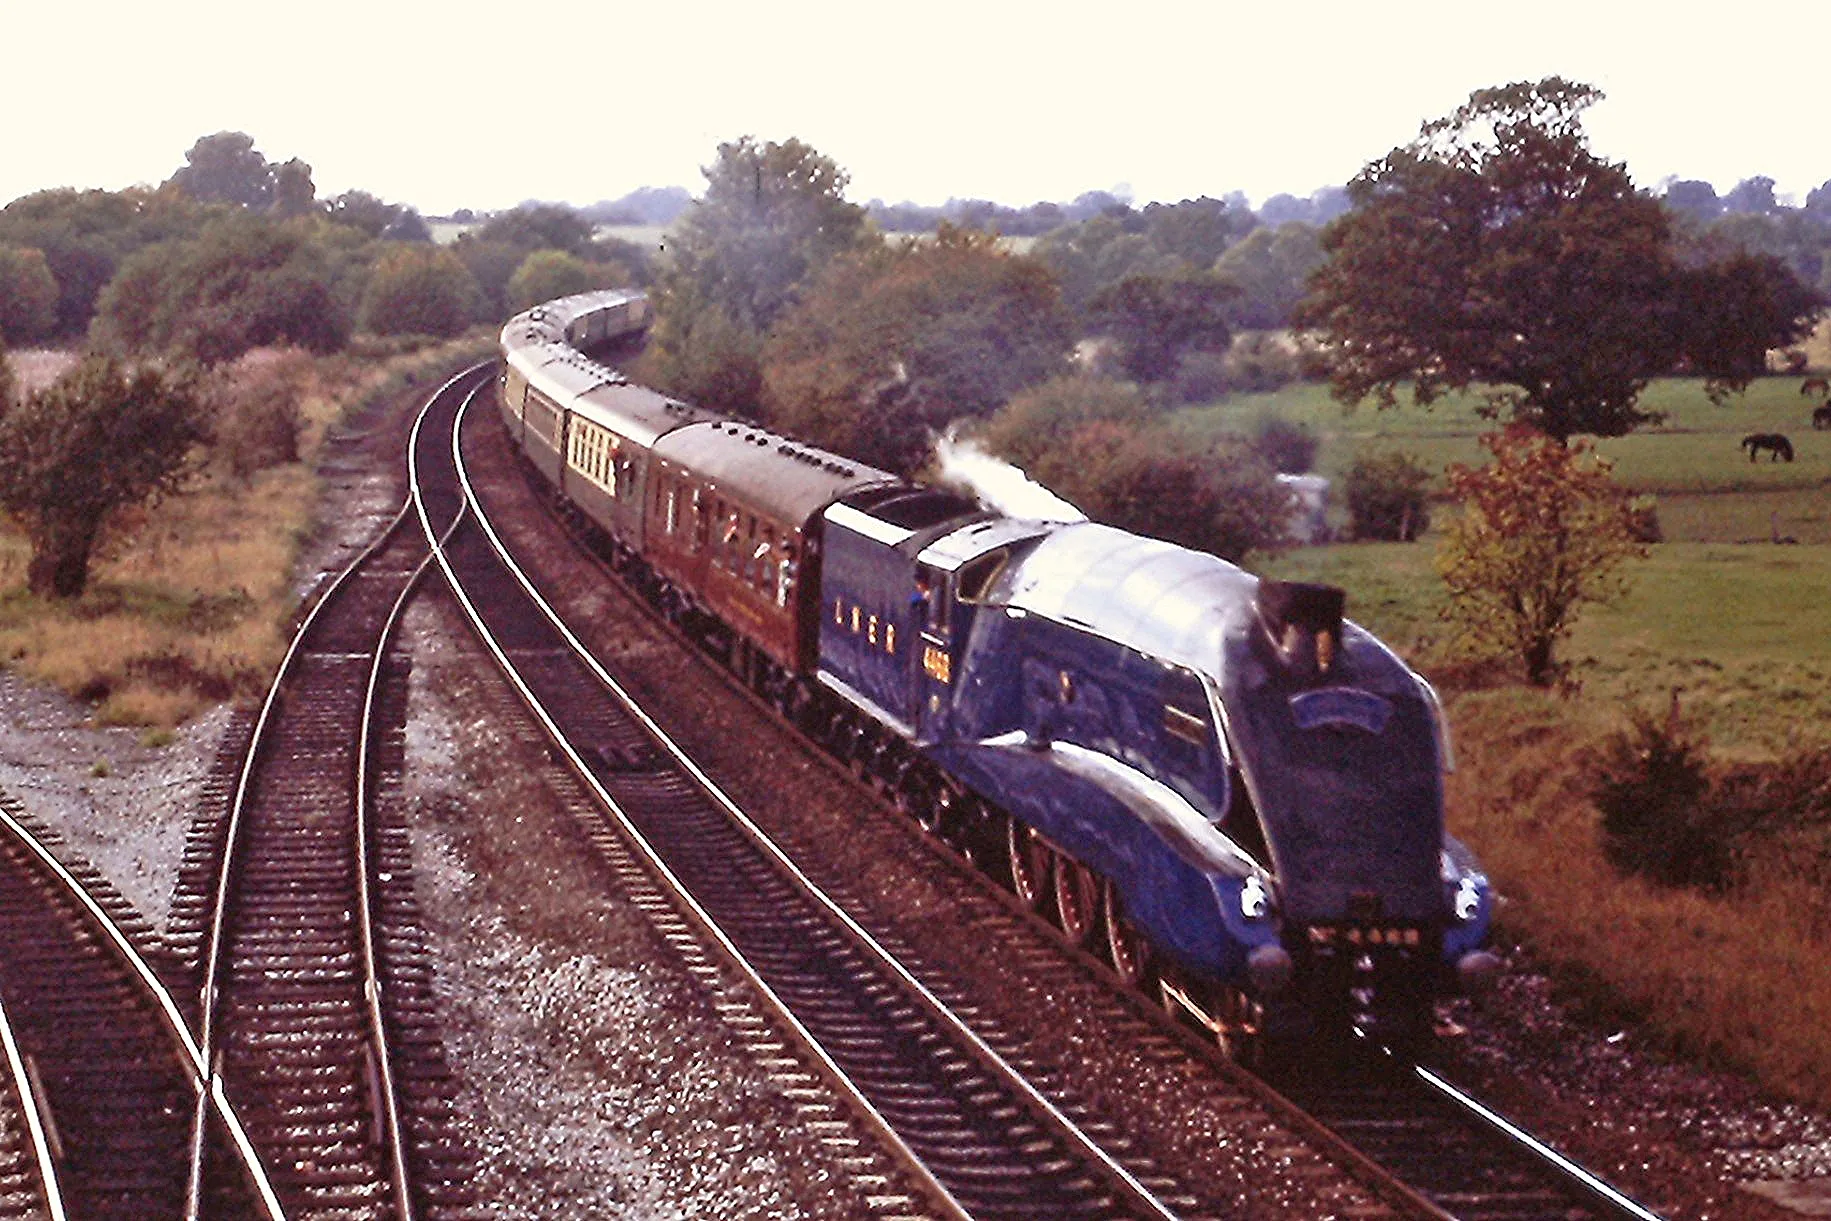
(1543,530)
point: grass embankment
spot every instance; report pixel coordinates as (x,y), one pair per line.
(1735,625)
(188,602)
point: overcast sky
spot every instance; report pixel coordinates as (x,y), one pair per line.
(472,106)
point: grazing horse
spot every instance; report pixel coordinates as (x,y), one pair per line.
(1815,387)
(1778,446)
(1821,418)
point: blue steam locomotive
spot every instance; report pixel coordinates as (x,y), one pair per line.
(1216,781)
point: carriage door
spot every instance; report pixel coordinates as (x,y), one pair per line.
(932,612)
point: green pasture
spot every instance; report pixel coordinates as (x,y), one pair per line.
(1739,631)
(1708,490)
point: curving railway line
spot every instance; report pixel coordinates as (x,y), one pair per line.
(317,1008)
(1431,1150)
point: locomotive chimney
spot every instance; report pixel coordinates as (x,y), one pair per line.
(1303,623)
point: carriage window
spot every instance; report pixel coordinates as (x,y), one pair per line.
(785,576)
(763,546)
(673,510)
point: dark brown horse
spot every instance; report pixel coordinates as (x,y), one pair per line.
(1777,445)
(1821,418)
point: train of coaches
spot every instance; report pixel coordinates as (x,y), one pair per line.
(1216,781)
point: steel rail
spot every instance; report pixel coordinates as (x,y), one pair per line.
(1579,1178)
(208,1088)
(1139,1194)
(366,897)
(212,962)
(32,1106)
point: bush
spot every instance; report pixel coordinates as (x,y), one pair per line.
(1153,481)
(28,295)
(1263,361)
(1289,449)
(1658,819)
(256,411)
(1042,419)
(1643,520)
(419,290)
(1201,377)
(1387,497)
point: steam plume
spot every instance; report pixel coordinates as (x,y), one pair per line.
(999,484)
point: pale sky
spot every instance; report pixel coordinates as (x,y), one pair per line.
(480,106)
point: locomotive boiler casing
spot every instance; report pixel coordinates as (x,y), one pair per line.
(1125,698)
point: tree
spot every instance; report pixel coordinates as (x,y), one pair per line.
(1271,267)
(1737,304)
(546,274)
(1154,320)
(772,216)
(1754,195)
(1543,531)
(1218,499)
(244,282)
(226,168)
(890,346)
(1197,231)
(1694,198)
(535,226)
(419,290)
(293,192)
(100,439)
(86,234)
(28,295)
(1045,418)
(1496,251)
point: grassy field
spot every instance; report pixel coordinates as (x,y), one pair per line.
(1732,624)
(1708,490)
(188,602)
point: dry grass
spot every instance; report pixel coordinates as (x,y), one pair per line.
(1736,980)
(189,600)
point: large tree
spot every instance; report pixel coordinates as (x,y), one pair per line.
(1497,251)
(772,217)
(99,439)
(227,168)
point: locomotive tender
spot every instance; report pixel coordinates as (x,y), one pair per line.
(1216,780)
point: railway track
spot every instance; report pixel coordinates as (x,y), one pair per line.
(105,1086)
(1433,1150)
(982,1140)
(315,985)
(1467,1161)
